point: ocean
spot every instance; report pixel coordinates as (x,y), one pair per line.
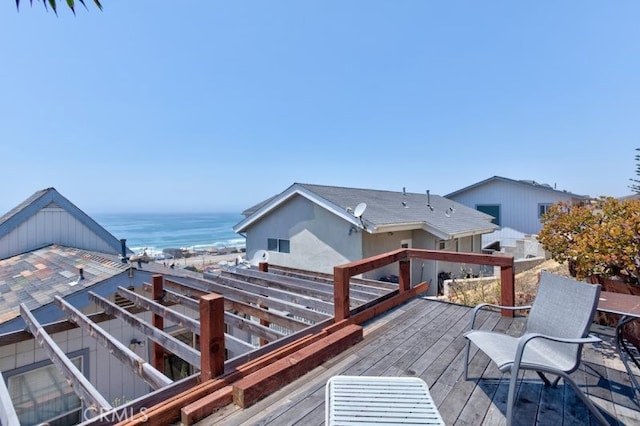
(156,231)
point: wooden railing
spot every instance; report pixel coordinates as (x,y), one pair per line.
(212,305)
(343,273)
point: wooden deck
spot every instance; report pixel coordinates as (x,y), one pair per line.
(423,338)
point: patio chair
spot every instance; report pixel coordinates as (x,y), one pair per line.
(552,341)
(366,400)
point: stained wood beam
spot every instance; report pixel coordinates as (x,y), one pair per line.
(259,384)
(212,339)
(169,342)
(80,384)
(157,351)
(129,358)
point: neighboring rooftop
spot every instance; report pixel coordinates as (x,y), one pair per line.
(34,278)
(385,210)
(528,183)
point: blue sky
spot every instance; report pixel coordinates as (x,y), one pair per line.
(216,105)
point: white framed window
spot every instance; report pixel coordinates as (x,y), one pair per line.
(406,243)
(282,246)
(41,394)
(542,209)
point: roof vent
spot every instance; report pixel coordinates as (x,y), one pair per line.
(429,206)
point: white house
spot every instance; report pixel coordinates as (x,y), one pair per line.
(49,218)
(315,227)
(514,204)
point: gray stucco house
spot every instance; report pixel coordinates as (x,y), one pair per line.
(317,227)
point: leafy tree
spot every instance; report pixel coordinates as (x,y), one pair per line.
(635,186)
(54,5)
(601,238)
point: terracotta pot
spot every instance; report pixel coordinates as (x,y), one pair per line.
(631,331)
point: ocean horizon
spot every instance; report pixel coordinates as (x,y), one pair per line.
(154,232)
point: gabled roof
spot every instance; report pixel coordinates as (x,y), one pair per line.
(43,198)
(34,278)
(386,210)
(524,183)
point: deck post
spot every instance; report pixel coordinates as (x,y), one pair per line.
(507,289)
(157,351)
(404,282)
(266,323)
(341,278)
(263,267)
(211,336)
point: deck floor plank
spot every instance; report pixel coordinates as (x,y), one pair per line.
(424,338)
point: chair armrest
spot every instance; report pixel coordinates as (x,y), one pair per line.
(481,306)
(526,338)
(582,340)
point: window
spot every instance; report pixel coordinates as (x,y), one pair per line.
(283,246)
(491,210)
(40,394)
(542,209)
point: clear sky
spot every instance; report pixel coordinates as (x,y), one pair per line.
(217,105)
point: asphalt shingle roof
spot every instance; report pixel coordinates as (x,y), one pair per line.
(390,208)
(34,278)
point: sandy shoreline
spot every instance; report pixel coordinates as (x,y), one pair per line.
(201,261)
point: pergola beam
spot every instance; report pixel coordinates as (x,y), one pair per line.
(167,341)
(298,299)
(229,318)
(125,355)
(257,299)
(80,384)
(194,326)
(230,305)
(158,309)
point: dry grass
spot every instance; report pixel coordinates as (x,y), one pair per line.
(470,292)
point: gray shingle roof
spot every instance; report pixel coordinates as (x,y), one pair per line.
(388,208)
(529,183)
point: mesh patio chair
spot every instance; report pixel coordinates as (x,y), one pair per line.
(555,331)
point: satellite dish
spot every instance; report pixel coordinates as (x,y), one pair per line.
(359,210)
(259,256)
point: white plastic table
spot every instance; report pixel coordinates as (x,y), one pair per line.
(359,400)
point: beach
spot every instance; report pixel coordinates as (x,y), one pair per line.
(202,261)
